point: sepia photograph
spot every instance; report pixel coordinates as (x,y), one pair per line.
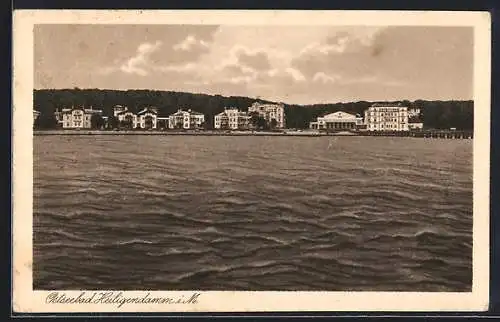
(255,156)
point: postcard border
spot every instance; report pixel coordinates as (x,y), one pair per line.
(27,300)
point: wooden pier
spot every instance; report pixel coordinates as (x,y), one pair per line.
(431,134)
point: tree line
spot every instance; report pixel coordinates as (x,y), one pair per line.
(434,114)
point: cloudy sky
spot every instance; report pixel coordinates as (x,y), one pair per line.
(302,64)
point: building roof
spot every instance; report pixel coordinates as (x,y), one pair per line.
(234,110)
(339,115)
(93,111)
(388,105)
(267,104)
(118,108)
(182,112)
(85,110)
(125,112)
(147,110)
(179,112)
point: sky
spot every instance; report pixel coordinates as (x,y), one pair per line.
(290,64)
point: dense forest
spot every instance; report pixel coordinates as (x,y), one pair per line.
(434,114)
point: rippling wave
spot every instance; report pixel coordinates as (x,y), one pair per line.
(252,213)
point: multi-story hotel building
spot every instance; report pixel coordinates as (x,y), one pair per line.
(337,121)
(232,119)
(380,117)
(186,120)
(269,112)
(78,117)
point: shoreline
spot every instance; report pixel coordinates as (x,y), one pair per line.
(445,134)
(167,133)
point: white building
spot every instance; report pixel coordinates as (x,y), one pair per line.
(186,120)
(58,114)
(414,119)
(386,118)
(126,118)
(232,119)
(147,118)
(78,117)
(117,109)
(415,126)
(269,112)
(413,112)
(337,121)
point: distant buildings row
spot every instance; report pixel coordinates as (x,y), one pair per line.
(148,119)
(378,117)
(270,115)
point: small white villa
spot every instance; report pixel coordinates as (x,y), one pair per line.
(186,120)
(147,118)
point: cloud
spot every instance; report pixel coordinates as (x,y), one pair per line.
(296,74)
(258,61)
(342,57)
(321,77)
(301,64)
(181,68)
(190,43)
(238,69)
(342,42)
(148,57)
(244,65)
(248,68)
(256,58)
(138,64)
(325,49)
(235,74)
(380,80)
(241,74)
(241,79)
